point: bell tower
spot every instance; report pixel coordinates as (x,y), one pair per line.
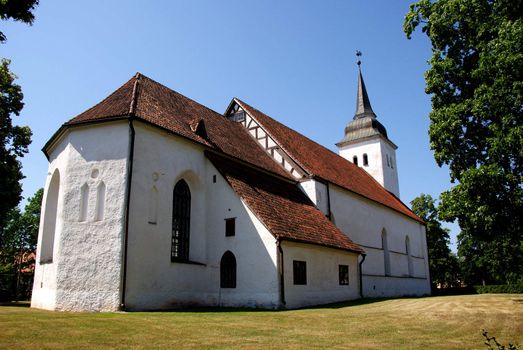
(366,143)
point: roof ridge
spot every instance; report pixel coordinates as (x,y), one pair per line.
(134,96)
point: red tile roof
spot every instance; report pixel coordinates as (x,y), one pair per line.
(325,164)
(281,206)
(154,103)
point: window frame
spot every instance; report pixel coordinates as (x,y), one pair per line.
(299,272)
(181,221)
(230,227)
(343,276)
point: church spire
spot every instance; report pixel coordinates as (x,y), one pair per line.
(363,107)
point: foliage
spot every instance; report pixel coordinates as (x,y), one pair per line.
(18,241)
(443,264)
(14,140)
(500,288)
(476,125)
(489,340)
(18,10)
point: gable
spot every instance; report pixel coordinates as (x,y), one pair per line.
(318,161)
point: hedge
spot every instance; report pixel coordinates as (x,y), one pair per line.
(500,288)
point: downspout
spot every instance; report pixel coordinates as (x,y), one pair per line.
(363,256)
(127,209)
(129,178)
(281,270)
(329,214)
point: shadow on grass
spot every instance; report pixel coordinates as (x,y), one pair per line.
(24,303)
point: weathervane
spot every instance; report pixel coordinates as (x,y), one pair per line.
(358,54)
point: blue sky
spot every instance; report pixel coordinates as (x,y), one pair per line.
(294,60)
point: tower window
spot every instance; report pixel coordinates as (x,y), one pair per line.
(181,222)
(355,160)
(230,227)
(299,269)
(365,159)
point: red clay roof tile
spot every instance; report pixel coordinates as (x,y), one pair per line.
(282,207)
(323,163)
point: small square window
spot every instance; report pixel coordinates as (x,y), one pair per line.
(344,275)
(300,272)
(230,227)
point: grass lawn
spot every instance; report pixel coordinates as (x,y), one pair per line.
(450,322)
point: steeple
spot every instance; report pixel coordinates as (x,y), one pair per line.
(366,144)
(363,107)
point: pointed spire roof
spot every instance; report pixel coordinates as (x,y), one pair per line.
(363,107)
(365,123)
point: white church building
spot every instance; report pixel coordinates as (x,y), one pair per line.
(154,201)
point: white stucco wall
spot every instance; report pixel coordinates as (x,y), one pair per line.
(85,271)
(377,150)
(364,221)
(322,275)
(153,281)
(317,193)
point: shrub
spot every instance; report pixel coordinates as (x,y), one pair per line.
(500,288)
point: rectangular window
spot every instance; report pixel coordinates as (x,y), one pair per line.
(299,272)
(230,227)
(344,275)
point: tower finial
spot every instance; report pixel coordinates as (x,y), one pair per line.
(358,54)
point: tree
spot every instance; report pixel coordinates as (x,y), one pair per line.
(14,140)
(18,246)
(476,124)
(443,264)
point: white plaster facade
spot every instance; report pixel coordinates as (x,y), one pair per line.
(86,272)
(381,156)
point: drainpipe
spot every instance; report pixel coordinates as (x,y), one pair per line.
(130,161)
(281,270)
(363,256)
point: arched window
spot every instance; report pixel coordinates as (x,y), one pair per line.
(84,201)
(50,215)
(355,160)
(365,159)
(386,256)
(181,222)
(228,270)
(100,202)
(409,257)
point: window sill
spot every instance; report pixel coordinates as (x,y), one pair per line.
(189,262)
(47,261)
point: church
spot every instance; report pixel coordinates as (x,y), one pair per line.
(155,202)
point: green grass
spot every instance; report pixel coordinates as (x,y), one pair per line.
(450,322)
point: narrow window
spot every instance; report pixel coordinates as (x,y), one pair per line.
(100,202)
(50,215)
(355,160)
(409,257)
(344,275)
(214,179)
(84,201)
(299,272)
(228,270)
(181,222)
(365,159)
(388,162)
(386,256)
(230,227)
(391,162)
(153,206)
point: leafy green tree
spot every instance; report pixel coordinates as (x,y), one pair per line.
(14,140)
(476,125)
(443,264)
(18,239)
